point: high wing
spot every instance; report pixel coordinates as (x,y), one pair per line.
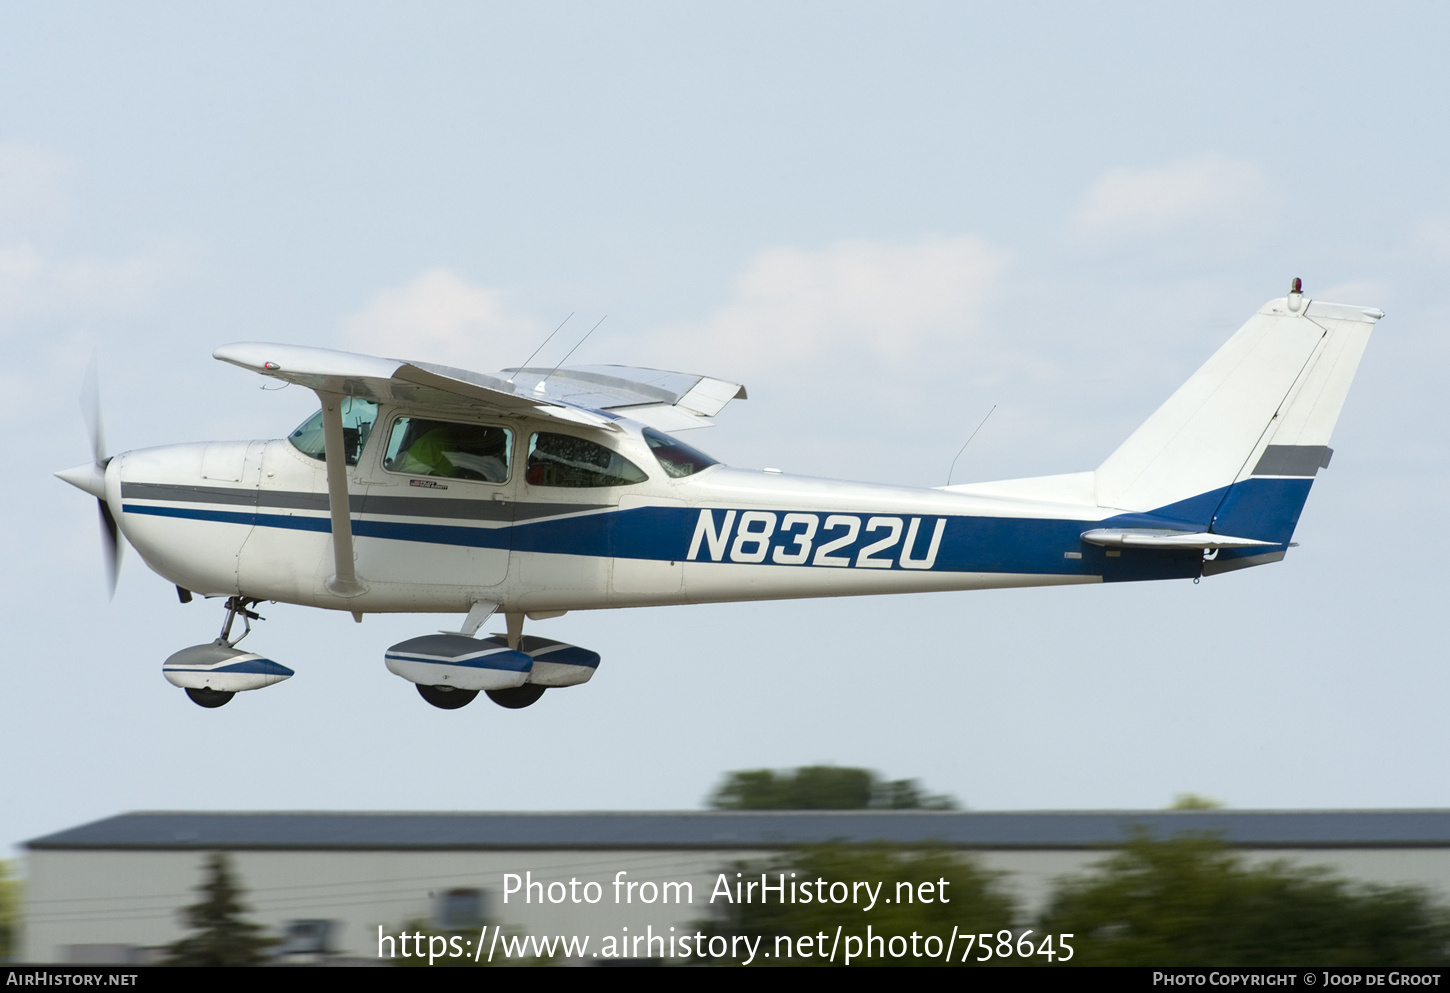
(594,395)
(577,396)
(670,401)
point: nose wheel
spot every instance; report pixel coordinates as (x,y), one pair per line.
(208,698)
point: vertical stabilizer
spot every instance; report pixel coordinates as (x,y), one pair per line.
(1261,408)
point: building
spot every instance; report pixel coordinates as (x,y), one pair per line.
(343,886)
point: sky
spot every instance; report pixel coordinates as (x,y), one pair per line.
(884,219)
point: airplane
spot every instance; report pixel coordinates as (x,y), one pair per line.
(533,492)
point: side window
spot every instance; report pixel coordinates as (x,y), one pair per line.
(358,417)
(421,447)
(674,456)
(563,460)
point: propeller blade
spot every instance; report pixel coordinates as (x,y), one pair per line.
(111,542)
(112,546)
(91,410)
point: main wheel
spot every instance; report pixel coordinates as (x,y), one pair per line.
(517,697)
(446,697)
(208,698)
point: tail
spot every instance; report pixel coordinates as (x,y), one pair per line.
(1236,449)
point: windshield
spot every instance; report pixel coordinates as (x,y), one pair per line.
(675,457)
(357,423)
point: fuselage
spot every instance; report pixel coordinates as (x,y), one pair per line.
(252,519)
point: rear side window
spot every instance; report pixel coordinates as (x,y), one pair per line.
(421,447)
(563,460)
(674,456)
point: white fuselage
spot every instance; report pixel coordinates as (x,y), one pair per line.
(251,518)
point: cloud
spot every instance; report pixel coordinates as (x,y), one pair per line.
(441,317)
(849,300)
(40,282)
(816,328)
(1210,193)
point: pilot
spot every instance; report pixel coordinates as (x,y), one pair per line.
(459,451)
(428,454)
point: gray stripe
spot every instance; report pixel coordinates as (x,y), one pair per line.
(393,506)
(1293,460)
(236,495)
(464,509)
(467,510)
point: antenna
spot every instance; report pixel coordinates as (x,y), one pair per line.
(964,446)
(541,347)
(540,387)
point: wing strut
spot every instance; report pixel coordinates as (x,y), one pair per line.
(344,582)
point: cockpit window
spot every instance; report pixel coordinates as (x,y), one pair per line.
(454,451)
(563,460)
(357,423)
(675,457)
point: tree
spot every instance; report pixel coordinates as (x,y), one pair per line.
(822,787)
(222,937)
(1192,901)
(958,894)
(1194,801)
(9,911)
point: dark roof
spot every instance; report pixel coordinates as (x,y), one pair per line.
(745,829)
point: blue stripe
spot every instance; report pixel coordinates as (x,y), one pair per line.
(1263,508)
(1266,509)
(233,517)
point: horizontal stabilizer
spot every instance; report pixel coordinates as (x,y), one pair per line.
(1165,539)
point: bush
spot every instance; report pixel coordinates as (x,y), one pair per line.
(1192,901)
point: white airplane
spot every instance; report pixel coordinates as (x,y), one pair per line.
(534,492)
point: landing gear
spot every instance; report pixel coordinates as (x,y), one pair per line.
(239,607)
(446,697)
(450,668)
(204,696)
(213,673)
(518,697)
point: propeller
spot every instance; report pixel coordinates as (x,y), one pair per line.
(111,533)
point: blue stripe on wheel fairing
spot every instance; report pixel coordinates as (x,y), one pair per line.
(507,661)
(265,667)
